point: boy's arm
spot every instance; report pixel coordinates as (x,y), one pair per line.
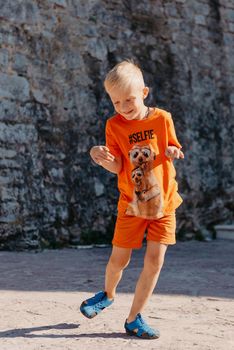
(102,156)
(173,149)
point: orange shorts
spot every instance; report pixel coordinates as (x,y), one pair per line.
(130,230)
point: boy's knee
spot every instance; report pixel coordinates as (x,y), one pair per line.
(153,264)
(119,264)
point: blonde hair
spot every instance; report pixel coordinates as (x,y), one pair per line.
(123,75)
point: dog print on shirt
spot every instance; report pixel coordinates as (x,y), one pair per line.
(147,198)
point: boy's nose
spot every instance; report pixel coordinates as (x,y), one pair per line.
(124,107)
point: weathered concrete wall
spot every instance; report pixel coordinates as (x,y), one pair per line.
(53,58)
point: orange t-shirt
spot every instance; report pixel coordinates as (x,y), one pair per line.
(146,181)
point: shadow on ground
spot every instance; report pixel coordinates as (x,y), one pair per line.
(29,332)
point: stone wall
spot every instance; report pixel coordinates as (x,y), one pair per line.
(53,59)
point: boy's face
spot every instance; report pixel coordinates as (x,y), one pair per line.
(130,102)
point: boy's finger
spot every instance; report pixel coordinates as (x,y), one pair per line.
(105,149)
(103,157)
(107,152)
(181,155)
(174,153)
(110,156)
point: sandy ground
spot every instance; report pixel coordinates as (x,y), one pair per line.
(192,305)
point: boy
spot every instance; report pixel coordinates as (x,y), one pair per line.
(141,145)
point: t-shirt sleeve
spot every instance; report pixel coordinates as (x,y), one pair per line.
(172,138)
(111,141)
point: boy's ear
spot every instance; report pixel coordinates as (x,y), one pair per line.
(145,92)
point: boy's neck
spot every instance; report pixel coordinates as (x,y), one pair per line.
(147,113)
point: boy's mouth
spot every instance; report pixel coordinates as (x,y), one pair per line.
(129,112)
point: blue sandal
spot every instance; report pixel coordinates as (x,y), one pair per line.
(93,306)
(140,329)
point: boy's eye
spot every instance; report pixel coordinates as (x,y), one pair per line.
(115,103)
(130,99)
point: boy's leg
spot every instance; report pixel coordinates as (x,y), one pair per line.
(119,259)
(161,230)
(153,262)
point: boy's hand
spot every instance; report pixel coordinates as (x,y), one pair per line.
(101,154)
(173,152)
